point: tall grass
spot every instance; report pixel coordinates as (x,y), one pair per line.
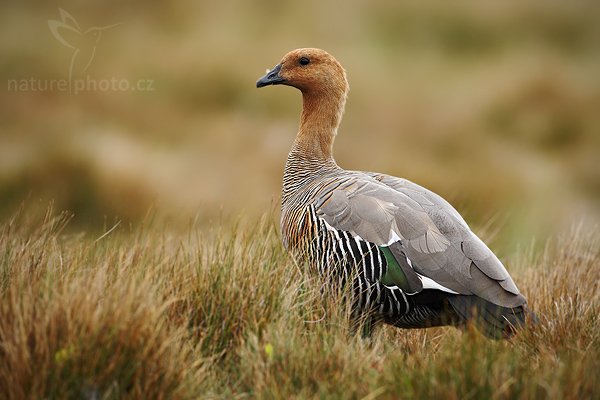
(145,313)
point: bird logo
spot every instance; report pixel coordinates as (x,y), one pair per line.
(83,42)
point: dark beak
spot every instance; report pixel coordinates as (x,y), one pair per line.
(271,78)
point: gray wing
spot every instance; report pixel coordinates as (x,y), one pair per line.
(394,212)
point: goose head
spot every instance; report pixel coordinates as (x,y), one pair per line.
(309,70)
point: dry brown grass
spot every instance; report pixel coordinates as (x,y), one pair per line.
(144,313)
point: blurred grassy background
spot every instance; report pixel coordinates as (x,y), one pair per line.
(495,106)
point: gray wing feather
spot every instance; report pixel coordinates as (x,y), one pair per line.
(382,209)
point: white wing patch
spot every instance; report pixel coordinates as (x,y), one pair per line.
(429,283)
(393,238)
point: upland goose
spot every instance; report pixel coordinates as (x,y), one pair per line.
(411,259)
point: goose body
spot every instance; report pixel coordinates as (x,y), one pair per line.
(409,256)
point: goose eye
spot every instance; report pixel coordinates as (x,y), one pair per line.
(304,61)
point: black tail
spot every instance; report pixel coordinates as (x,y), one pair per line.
(492,320)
